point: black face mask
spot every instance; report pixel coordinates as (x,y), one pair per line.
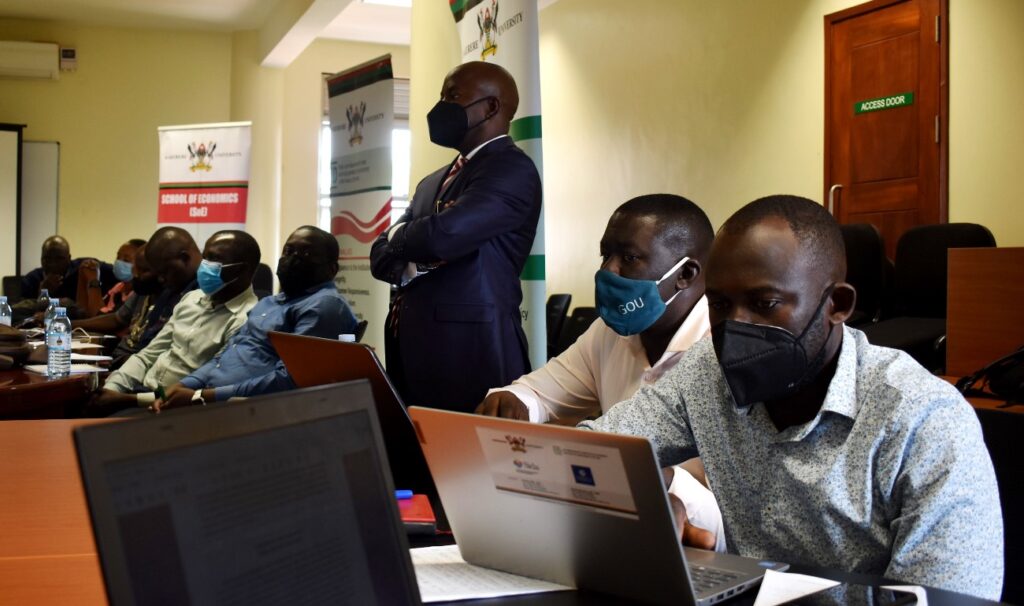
(766,363)
(449,123)
(147,286)
(297,275)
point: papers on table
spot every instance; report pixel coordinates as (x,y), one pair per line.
(783,587)
(75,368)
(442,574)
(74,344)
(89,358)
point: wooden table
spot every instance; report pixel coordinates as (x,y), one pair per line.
(28,395)
(47,553)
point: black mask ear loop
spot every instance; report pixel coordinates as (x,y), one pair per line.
(485,118)
(821,350)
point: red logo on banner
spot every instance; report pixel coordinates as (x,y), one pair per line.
(346,223)
(203,205)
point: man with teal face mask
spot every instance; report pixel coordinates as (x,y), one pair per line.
(649,292)
(202,322)
(822,448)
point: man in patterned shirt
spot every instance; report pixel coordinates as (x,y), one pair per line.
(820,447)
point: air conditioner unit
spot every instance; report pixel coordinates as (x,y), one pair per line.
(35,60)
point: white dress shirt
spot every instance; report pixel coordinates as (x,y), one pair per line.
(603,368)
(599,370)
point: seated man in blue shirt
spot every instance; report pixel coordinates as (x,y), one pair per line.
(309,304)
(821,448)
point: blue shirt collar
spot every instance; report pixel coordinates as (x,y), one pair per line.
(282,297)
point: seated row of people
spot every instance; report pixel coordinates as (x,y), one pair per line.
(214,343)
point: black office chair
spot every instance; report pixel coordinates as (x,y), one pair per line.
(557,310)
(263,281)
(1003,431)
(919,298)
(577,324)
(865,270)
(361,330)
(12,289)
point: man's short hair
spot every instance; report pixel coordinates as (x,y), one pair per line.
(685,227)
(137,242)
(324,239)
(246,247)
(813,226)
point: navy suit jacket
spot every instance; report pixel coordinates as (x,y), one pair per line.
(459,327)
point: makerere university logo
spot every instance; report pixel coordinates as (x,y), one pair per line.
(355,123)
(200,157)
(516,443)
(488,23)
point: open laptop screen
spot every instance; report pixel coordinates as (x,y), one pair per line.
(296,513)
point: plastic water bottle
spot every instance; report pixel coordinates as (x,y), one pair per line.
(5,312)
(51,312)
(58,345)
(43,300)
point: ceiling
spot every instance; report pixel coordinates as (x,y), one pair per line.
(359,21)
(172,14)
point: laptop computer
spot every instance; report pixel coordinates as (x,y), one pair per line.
(280,499)
(314,361)
(570,506)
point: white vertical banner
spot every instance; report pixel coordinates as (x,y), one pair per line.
(361,105)
(506,32)
(204,177)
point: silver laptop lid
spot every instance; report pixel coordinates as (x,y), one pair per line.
(280,499)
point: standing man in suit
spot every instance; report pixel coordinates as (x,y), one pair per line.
(454,330)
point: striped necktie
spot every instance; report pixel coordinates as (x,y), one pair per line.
(454,172)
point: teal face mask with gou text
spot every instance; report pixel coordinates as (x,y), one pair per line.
(630,306)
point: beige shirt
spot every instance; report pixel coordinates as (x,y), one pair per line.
(601,369)
(195,333)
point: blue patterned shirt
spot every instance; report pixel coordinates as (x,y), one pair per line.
(891,478)
(249,365)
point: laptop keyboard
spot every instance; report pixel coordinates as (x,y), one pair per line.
(706,579)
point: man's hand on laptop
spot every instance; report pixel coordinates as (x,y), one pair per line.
(691,536)
(504,404)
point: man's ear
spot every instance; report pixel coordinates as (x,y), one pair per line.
(844,299)
(688,274)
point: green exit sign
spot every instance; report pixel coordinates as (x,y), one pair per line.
(890,102)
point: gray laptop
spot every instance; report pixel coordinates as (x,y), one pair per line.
(282,499)
(574,507)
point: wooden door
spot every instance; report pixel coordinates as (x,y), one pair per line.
(886,65)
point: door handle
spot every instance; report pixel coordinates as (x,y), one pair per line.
(832,198)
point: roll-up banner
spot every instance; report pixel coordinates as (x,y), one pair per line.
(361,104)
(204,177)
(505,32)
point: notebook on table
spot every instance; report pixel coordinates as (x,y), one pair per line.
(573,507)
(278,499)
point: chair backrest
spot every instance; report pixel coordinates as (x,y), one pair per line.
(12,289)
(1003,430)
(558,309)
(865,267)
(921,265)
(577,324)
(263,281)
(361,330)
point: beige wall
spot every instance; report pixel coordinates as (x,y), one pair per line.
(105,116)
(131,81)
(722,105)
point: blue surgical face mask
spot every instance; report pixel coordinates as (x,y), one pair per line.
(630,306)
(208,276)
(122,270)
